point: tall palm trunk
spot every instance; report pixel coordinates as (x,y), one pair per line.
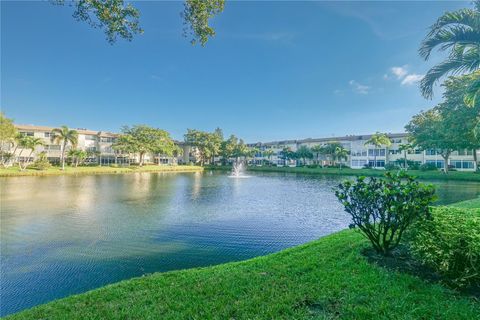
(64,146)
(405,159)
(19,163)
(26,163)
(475,160)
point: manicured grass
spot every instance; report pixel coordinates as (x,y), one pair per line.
(427,175)
(324,279)
(15,171)
(469,204)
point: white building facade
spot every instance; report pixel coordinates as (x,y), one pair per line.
(362,155)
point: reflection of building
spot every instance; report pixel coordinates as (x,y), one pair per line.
(98,145)
(362,155)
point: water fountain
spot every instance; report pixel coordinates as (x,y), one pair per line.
(238,170)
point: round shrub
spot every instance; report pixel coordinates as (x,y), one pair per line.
(383,208)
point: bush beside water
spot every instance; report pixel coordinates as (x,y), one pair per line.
(449,242)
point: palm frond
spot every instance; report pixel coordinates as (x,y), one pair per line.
(458,63)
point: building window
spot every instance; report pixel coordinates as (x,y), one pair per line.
(90,137)
(91,149)
(107,139)
(431,152)
(359,163)
(376,152)
(53,147)
(47,134)
(26,133)
(380,163)
(440,164)
(462,164)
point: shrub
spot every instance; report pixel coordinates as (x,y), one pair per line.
(428,167)
(449,242)
(384,208)
(391,167)
(41,163)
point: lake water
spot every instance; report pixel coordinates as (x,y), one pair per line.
(69,234)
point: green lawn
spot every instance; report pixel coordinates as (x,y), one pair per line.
(430,175)
(469,204)
(325,279)
(15,171)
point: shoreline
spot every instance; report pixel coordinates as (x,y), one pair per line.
(422,175)
(55,171)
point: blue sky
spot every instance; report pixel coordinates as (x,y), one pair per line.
(275,70)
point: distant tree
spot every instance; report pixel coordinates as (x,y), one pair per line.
(304,153)
(64,136)
(227,148)
(30,143)
(405,148)
(249,153)
(77,156)
(287,154)
(378,140)
(208,144)
(8,132)
(119,19)
(268,153)
(341,153)
(317,150)
(461,115)
(429,130)
(459,33)
(329,149)
(472,96)
(142,139)
(240,150)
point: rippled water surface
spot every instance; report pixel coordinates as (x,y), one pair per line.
(66,234)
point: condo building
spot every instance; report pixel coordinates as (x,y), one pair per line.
(98,144)
(362,154)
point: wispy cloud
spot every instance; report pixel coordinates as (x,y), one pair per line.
(412,79)
(399,72)
(404,76)
(358,87)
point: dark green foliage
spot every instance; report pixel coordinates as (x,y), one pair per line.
(384,208)
(115,17)
(428,167)
(391,167)
(449,242)
(197,14)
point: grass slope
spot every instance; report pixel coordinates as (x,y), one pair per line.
(325,279)
(469,204)
(428,175)
(14,171)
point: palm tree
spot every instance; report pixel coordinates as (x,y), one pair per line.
(64,136)
(32,144)
(268,153)
(341,153)
(459,33)
(378,139)
(22,143)
(405,148)
(317,150)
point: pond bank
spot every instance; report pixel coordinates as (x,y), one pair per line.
(426,175)
(55,171)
